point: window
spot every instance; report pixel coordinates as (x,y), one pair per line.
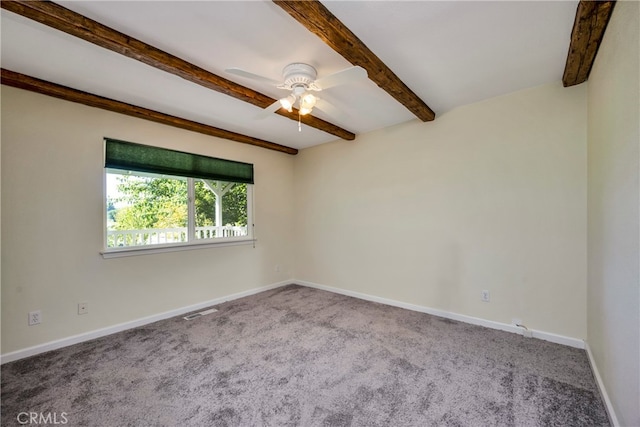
(159,198)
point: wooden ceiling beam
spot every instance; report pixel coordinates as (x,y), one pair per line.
(589,26)
(65,20)
(320,21)
(22,81)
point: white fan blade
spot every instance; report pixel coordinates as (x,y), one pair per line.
(243,73)
(345,76)
(330,109)
(269,110)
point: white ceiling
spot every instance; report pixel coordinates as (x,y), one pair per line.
(450,53)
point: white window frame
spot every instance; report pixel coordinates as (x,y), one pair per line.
(192,243)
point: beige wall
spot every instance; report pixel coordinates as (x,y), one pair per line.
(485,197)
(489,196)
(52,223)
(614,218)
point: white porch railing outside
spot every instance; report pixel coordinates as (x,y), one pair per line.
(155,236)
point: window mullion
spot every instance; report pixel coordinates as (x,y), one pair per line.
(191,210)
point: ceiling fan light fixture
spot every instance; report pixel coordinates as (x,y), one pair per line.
(307,102)
(287,103)
(300,78)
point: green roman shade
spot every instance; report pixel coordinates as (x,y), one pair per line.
(143,158)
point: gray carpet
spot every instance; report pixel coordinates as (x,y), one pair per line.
(297,356)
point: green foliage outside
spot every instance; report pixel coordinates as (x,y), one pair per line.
(234,206)
(162,203)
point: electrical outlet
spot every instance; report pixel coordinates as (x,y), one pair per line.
(516,321)
(485,296)
(35,317)
(83,308)
(277,268)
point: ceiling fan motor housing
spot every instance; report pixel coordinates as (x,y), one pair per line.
(298,74)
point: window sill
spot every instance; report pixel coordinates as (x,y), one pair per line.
(134,251)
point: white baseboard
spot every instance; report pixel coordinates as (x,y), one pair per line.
(603,391)
(86,336)
(547,336)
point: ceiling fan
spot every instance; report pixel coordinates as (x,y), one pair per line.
(300,79)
